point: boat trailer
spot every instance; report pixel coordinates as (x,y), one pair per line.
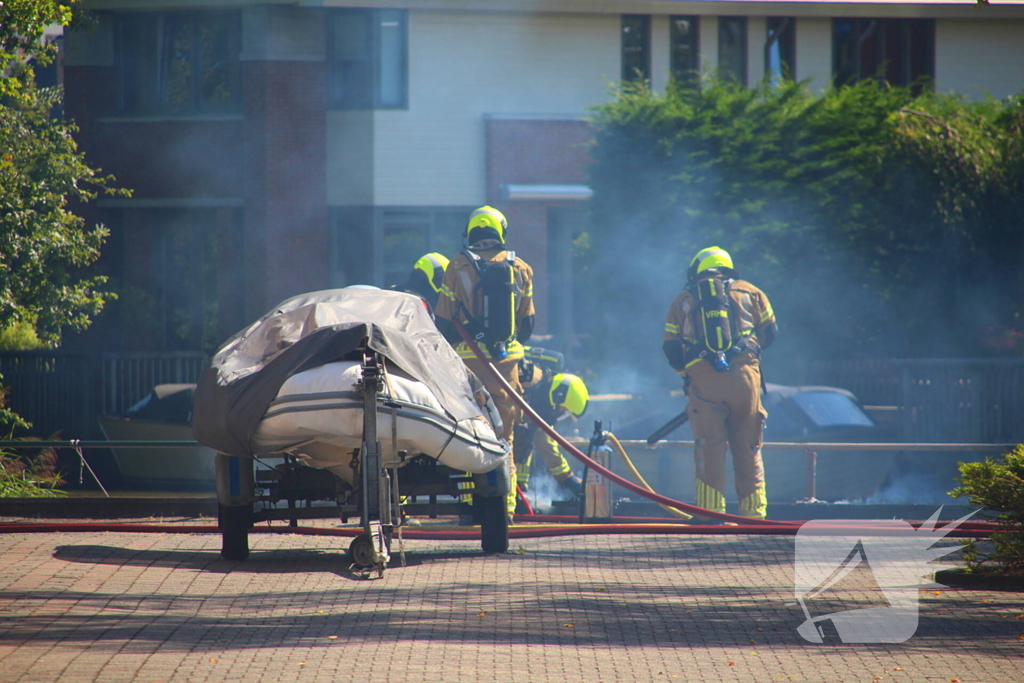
(247,495)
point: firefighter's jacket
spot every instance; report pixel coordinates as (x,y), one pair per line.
(460,295)
(749,305)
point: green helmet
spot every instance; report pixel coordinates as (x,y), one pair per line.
(432,266)
(486,223)
(705,259)
(570,392)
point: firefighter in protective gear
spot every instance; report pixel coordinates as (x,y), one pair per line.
(554,396)
(462,298)
(426,278)
(723,380)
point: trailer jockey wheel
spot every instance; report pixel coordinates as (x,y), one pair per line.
(235,522)
(491,513)
(360,550)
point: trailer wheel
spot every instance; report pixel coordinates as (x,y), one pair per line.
(235,522)
(360,550)
(491,513)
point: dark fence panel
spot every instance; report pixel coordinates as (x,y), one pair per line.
(980,401)
(63,392)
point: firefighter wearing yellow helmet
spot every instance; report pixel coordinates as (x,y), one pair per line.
(426,278)
(489,290)
(714,334)
(554,395)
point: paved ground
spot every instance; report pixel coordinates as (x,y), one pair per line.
(114,607)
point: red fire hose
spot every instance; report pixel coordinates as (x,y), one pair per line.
(412,533)
(603,471)
(561,524)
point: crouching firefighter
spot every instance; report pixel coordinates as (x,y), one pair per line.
(426,278)
(714,334)
(490,291)
(554,395)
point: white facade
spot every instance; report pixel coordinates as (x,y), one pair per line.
(461,67)
(979,57)
(472,61)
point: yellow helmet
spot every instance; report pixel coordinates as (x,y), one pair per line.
(712,257)
(569,392)
(486,223)
(433,266)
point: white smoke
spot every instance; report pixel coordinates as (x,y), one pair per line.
(544,491)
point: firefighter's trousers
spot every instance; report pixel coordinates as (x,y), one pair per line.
(508,410)
(531,441)
(725,411)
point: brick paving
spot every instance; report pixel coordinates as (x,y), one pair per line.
(163,608)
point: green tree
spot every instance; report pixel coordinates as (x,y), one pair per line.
(880,222)
(45,248)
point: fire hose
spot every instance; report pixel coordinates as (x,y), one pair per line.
(738,525)
(745,525)
(965,530)
(592,464)
(636,473)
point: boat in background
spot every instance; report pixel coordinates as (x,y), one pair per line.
(797,414)
(165,414)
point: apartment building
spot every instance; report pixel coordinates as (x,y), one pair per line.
(276,147)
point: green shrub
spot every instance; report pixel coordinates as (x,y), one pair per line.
(997,486)
(865,212)
(20,337)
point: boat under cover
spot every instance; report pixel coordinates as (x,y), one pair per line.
(288,383)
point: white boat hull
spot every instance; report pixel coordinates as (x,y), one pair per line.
(318,416)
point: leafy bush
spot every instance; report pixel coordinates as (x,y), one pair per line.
(997,486)
(20,337)
(866,213)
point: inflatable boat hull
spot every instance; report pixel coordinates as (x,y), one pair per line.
(318,416)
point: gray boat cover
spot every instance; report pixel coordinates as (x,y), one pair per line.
(313,329)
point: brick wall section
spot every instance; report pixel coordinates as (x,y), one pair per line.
(286,191)
(273,157)
(534,152)
(88,95)
(162,158)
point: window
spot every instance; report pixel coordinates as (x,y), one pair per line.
(684,46)
(732,48)
(181,275)
(179,63)
(408,234)
(368,59)
(780,49)
(565,226)
(379,246)
(636,47)
(898,51)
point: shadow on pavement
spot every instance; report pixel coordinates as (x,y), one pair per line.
(659,593)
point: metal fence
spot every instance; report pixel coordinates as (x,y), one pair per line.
(937,400)
(64,392)
(953,401)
